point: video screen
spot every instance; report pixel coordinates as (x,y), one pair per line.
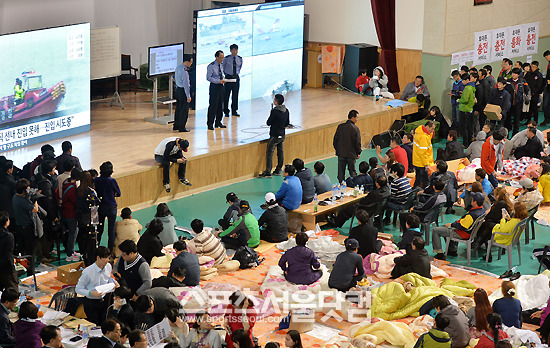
(165,59)
(270,39)
(44,85)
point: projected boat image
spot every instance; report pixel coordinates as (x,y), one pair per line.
(31,98)
(228,25)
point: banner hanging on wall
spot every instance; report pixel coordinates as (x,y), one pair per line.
(531,35)
(482,47)
(515,41)
(499,44)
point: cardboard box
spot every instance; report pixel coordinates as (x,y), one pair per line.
(492,111)
(65,275)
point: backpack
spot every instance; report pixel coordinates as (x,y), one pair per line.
(247,257)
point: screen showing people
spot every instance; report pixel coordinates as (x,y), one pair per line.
(165,59)
(44,85)
(269,39)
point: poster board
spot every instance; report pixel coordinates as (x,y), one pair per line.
(105,52)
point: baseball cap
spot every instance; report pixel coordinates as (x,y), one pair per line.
(185,144)
(526,183)
(351,243)
(478,197)
(270,196)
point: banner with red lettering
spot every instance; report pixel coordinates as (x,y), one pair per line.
(499,44)
(531,38)
(482,47)
(515,41)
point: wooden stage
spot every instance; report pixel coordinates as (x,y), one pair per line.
(215,157)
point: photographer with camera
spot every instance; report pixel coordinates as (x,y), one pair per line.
(23,209)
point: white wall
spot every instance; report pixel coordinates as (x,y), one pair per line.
(351,21)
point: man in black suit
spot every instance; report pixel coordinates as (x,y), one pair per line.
(51,337)
(111,331)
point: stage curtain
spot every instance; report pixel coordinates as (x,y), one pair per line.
(383,12)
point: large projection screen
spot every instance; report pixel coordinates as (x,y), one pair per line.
(44,85)
(270,39)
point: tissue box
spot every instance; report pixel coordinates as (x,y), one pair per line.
(70,273)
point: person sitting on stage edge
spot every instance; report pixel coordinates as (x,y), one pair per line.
(190,262)
(232,213)
(99,273)
(149,244)
(176,280)
(278,120)
(8,302)
(299,264)
(459,228)
(205,243)
(128,228)
(245,232)
(362,83)
(416,260)
(111,330)
(366,235)
(169,151)
(51,337)
(273,222)
(306,179)
(412,223)
(414,88)
(347,143)
(363,179)
(348,268)
(370,203)
(132,269)
(289,195)
(321,181)
(453,149)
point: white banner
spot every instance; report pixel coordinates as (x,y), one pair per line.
(455,58)
(499,44)
(530,38)
(14,137)
(515,41)
(482,47)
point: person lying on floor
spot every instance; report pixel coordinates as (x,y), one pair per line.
(245,232)
(348,268)
(299,264)
(459,228)
(416,260)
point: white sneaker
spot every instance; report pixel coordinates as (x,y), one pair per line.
(73,258)
(78,255)
(167,187)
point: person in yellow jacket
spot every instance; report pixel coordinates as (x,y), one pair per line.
(423,153)
(544,182)
(503,232)
(19,92)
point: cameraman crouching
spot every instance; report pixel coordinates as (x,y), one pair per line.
(22,211)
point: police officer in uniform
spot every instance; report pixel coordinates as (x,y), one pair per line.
(183,94)
(231,67)
(215,76)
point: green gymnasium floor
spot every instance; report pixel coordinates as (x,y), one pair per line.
(210,206)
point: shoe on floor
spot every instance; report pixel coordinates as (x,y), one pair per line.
(440,256)
(515,276)
(265,175)
(236,114)
(506,274)
(167,188)
(221,126)
(184,130)
(185,182)
(210,128)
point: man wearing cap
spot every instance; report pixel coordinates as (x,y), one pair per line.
(245,231)
(343,276)
(183,94)
(529,195)
(491,156)
(169,151)
(459,228)
(273,222)
(232,213)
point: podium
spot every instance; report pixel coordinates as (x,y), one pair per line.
(169,117)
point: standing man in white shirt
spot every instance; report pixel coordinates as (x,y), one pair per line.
(231,67)
(183,94)
(98,273)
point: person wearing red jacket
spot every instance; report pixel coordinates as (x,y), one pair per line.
(362,83)
(491,154)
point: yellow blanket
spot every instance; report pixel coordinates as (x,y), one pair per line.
(395,333)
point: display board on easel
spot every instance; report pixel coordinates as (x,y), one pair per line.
(105,56)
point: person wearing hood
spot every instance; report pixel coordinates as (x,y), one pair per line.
(299,264)
(416,260)
(273,222)
(278,120)
(245,232)
(306,179)
(436,337)
(379,83)
(458,327)
(465,107)
(423,154)
(416,87)
(474,150)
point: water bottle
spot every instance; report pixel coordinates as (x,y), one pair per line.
(333,198)
(85,334)
(315,203)
(361,190)
(338,192)
(344,189)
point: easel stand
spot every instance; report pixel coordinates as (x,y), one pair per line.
(115,100)
(169,117)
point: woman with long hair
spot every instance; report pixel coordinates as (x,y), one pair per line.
(241,339)
(168,234)
(493,217)
(293,339)
(494,334)
(478,315)
(202,333)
